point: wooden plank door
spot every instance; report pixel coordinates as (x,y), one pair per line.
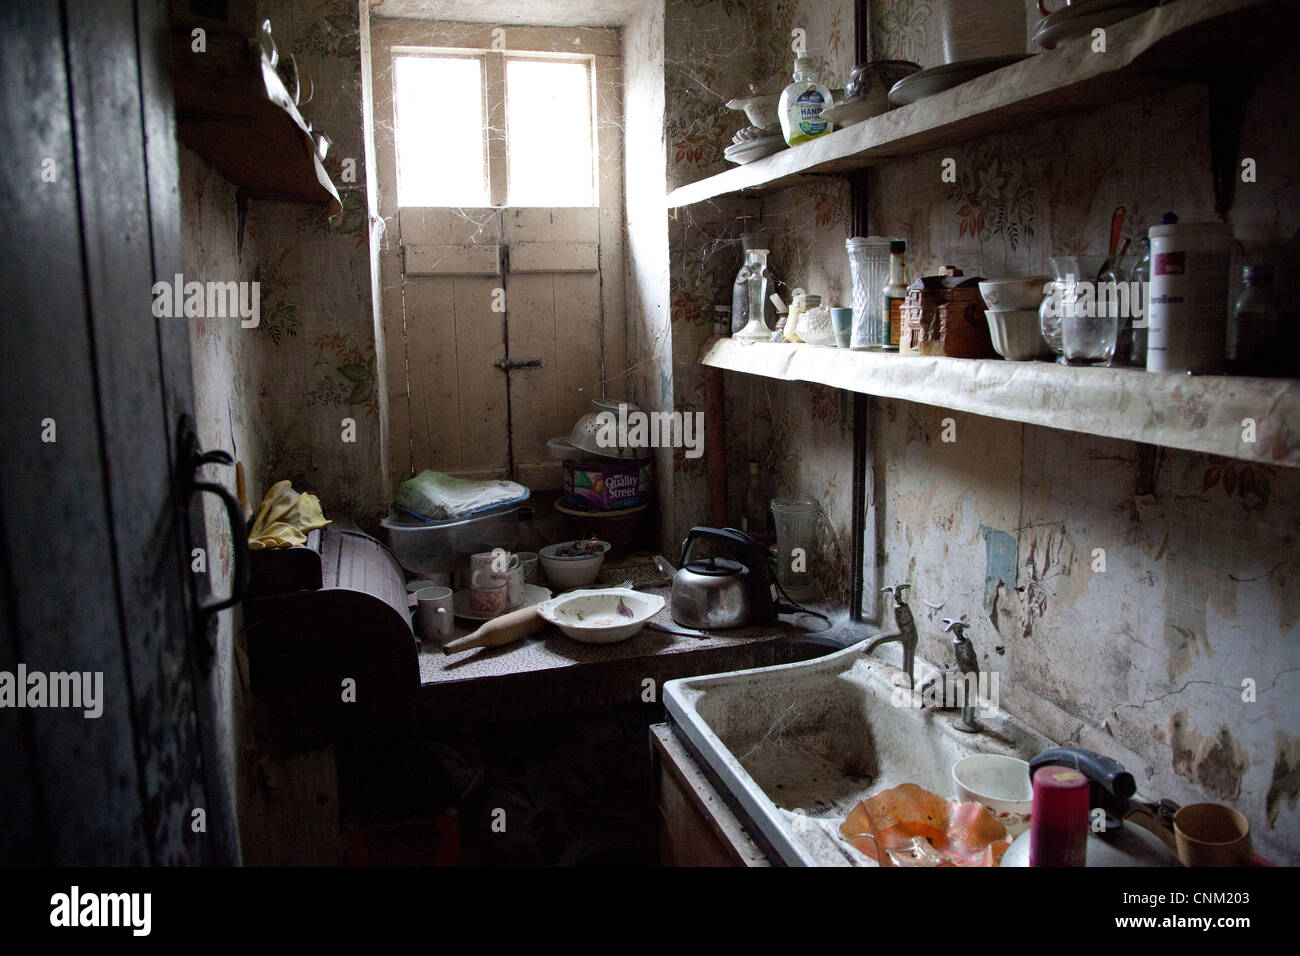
(93,555)
(504,326)
(553,318)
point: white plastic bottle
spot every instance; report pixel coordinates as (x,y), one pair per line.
(802,103)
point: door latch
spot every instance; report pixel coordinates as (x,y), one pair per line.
(510,365)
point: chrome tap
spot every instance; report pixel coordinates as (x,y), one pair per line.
(967,664)
(904,634)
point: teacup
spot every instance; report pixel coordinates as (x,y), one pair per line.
(489,593)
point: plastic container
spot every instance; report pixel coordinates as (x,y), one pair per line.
(437,547)
(868,272)
(801,105)
(607,485)
(1187,309)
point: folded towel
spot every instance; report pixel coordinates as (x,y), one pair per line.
(436,496)
(285,517)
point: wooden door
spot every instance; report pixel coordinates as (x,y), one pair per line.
(501,323)
(504,331)
(93,534)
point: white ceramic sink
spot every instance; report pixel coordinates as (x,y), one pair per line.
(798,745)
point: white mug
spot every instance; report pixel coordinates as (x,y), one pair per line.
(433,613)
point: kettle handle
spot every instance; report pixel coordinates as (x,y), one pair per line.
(1110,785)
(734,536)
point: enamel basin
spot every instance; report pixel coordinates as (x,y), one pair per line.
(796,746)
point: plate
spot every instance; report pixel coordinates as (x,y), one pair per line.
(854,111)
(742,153)
(1084,16)
(940,78)
(533,594)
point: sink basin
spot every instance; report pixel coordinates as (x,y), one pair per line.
(798,745)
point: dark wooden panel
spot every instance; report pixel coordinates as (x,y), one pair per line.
(161,156)
(138,442)
(53,499)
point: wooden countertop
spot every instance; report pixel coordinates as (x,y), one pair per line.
(550,671)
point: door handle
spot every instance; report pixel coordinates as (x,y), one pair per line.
(191,459)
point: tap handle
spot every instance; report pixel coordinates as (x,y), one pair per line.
(897,591)
(957,625)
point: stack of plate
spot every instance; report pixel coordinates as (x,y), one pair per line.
(741,153)
(1083,16)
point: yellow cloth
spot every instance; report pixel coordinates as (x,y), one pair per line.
(284,517)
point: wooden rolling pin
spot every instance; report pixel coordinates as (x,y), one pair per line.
(500,630)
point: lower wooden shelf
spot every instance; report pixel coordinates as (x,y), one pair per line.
(1256,419)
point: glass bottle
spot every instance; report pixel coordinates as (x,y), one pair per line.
(802,103)
(740,297)
(1255,345)
(740,294)
(1131,346)
(757,290)
(753,506)
(892,297)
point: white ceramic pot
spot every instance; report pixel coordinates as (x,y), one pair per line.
(1017,334)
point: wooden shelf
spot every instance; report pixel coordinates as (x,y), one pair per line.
(234,111)
(1162,47)
(1195,413)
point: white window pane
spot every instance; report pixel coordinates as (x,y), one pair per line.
(548,133)
(439,131)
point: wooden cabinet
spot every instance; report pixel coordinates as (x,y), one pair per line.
(696,827)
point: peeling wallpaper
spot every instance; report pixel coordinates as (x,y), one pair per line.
(1144,660)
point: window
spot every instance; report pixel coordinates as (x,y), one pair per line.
(440,146)
(447,155)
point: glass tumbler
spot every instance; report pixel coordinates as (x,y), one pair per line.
(868,273)
(796,543)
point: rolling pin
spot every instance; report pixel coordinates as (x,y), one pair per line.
(500,630)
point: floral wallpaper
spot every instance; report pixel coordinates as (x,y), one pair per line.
(318,335)
(1144,660)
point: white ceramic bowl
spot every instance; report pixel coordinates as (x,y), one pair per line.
(1016,333)
(1019,292)
(603,616)
(762,111)
(565,570)
(999,783)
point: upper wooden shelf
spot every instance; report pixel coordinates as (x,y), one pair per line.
(233,110)
(1196,413)
(1159,48)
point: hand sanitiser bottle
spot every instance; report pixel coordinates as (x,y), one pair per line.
(802,103)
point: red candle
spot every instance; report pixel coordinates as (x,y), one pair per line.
(1058,825)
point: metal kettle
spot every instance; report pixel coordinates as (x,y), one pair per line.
(717,593)
(1111,787)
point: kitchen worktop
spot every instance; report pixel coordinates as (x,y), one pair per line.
(550,671)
